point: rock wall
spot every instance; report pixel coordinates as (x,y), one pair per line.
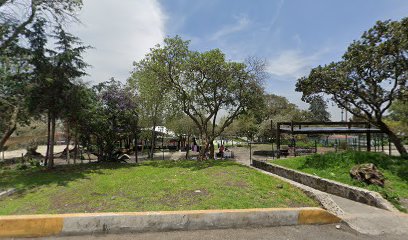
(329,186)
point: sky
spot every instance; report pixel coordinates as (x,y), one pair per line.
(293,36)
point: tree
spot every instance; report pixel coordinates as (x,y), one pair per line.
(318,110)
(109,116)
(54,74)
(184,127)
(278,109)
(398,118)
(14,78)
(205,84)
(17,16)
(244,126)
(370,77)
(17,23)
(154,100)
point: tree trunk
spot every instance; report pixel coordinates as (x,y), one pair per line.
(76,147)
(47,154)
(393,138)
(12,127)
(6,136)
(52,140)
(204,150)
(68,140)
(212,149)
(143,144)
(136,160)
(153,142)
(188,146)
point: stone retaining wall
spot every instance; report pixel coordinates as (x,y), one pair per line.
(329,186)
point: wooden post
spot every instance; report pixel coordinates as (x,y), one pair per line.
(335,145)
(368,138)
(358,144)
(278,140)
(389,146)
(273,154)
(136,158)
(162,148)
(382,142)
(376,143)
(250,153)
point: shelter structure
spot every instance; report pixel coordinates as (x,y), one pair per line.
(296,128)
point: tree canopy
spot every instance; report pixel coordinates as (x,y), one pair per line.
(205,84)
(318,110)
(370,77)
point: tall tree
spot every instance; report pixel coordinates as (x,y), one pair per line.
(109,115)
(205,84)
(371,76)
(318,110)
(14,79)
(55,72)
(154,100)
(17,23)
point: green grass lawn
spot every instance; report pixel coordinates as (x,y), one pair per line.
(336,166)
(151,186)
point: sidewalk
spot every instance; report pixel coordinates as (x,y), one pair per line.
(360,217)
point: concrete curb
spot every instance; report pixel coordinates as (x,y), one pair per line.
(90,223)
(325,185)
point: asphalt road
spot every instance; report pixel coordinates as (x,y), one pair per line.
(314,232)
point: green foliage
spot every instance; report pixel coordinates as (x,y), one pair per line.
(245,126)
(109,114)
(204,83)
(318,110)
(25,63)
(336,166)
(371,75)
(14,26)
(278,109)
(398,118)
(150,186)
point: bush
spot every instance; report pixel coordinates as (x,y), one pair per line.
(21,166)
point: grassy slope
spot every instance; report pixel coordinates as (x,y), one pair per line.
(147,187)
(336,166)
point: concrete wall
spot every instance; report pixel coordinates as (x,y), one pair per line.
(329,186)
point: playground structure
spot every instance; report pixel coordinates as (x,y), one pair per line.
(370,133)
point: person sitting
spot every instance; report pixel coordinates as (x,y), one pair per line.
(221,151)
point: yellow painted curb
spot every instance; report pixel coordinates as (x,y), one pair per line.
(317,216)
(50,224)
(30,227)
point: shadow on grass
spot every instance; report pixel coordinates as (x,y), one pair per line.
(62,175)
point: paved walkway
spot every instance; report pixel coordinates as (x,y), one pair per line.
(360,217)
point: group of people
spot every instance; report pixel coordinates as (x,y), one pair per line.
(223,152)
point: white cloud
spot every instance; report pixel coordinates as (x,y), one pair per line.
(120,32)
(242,23)
(293,63)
